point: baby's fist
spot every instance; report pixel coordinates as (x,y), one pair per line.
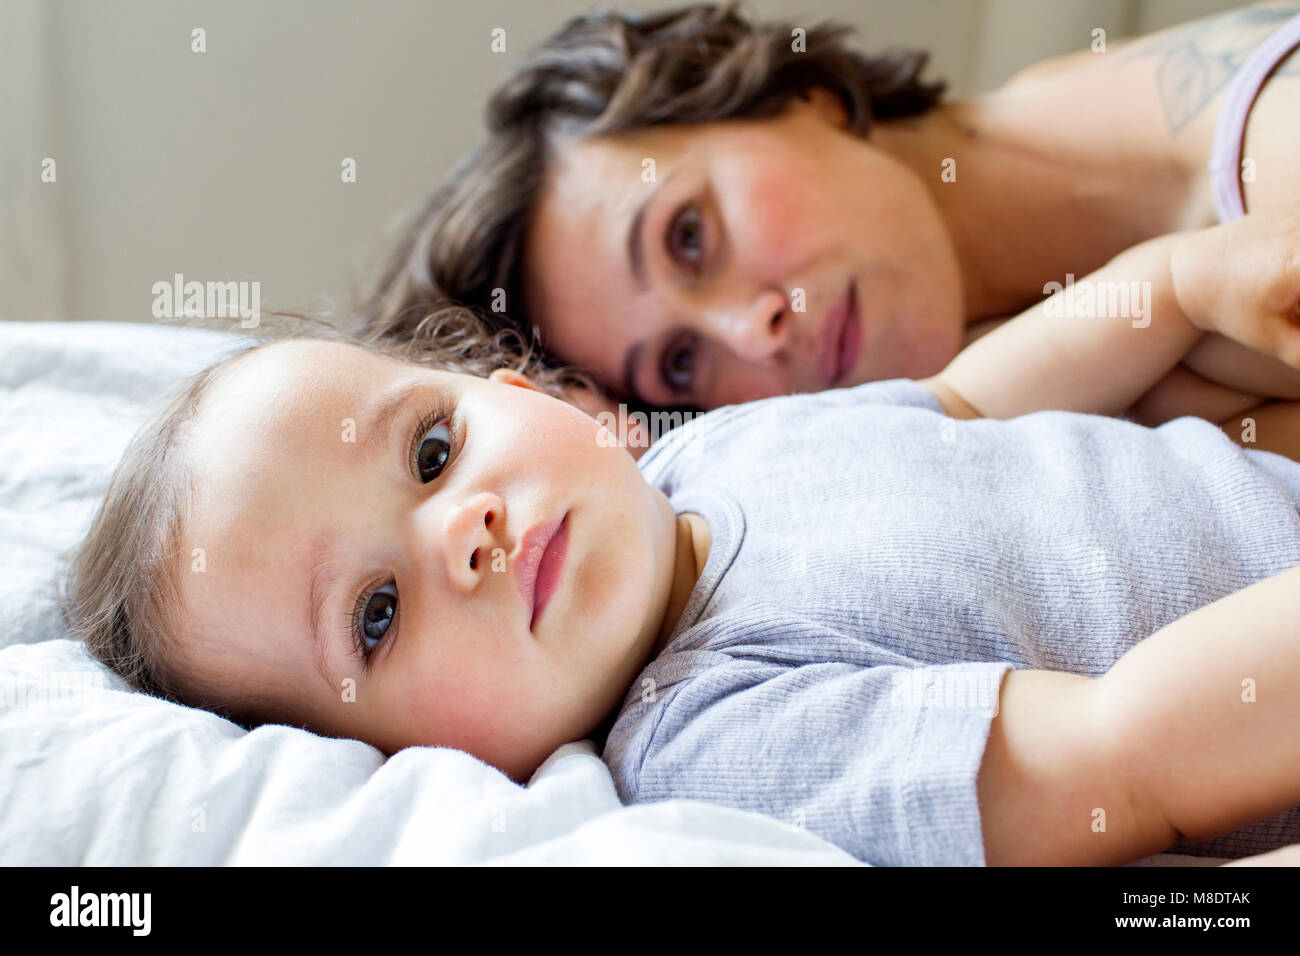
(1242,280)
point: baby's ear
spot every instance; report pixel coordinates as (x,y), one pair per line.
(508,376)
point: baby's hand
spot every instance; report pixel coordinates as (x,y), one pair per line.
(1241,279)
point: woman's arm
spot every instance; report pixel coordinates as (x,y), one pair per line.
(1192,733)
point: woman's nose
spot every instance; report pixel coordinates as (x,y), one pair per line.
(471,531)
(757,330)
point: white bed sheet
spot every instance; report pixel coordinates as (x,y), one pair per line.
(91,773)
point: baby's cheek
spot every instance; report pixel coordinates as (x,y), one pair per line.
(484,706)
(453,706)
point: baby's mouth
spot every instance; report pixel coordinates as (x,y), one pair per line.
(539,563)
(550,570)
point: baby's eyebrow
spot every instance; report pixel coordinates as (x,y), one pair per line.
(320,558)
(385,413)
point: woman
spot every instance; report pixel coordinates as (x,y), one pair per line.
(701,210)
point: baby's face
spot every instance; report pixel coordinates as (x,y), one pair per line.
(420,519)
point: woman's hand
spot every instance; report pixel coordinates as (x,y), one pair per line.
(1241,279)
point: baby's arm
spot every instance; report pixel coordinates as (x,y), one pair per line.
(1192,733)
(1240,280)
(1102,364)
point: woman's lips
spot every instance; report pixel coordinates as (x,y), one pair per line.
(841,338)
(540,561)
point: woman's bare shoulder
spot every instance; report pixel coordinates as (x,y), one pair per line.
(1157,96)
(1191,61)
(1194,61)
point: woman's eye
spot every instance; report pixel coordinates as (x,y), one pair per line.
(678,364)
(434,450)
(686,237)
(376,615)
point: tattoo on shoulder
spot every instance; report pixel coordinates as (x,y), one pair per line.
(1197,61)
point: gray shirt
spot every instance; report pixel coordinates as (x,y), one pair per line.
(877,567)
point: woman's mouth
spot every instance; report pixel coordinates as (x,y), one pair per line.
(841,339)
(540,565)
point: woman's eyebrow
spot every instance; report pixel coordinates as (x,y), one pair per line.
(635,241)
(636,247)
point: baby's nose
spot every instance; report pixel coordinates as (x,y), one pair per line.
(470,533)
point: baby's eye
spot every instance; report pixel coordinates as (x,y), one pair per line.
(376,615)
(434,450)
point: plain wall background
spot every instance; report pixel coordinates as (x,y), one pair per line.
(225,165)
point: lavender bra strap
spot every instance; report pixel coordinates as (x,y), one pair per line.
(1225,154)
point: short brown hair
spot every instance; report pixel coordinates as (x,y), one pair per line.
(603,73)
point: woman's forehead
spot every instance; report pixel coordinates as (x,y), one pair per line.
(588,198)
(592,181)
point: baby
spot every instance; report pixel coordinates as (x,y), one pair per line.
(869,611)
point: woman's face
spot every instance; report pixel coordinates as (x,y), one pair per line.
(763,257)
